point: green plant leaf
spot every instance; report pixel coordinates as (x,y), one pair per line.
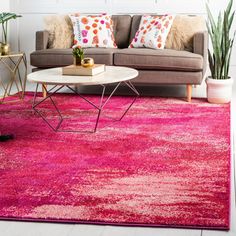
(211,19)
(219,31)
(4,18)
(211,63)
(229,7)
(231,18)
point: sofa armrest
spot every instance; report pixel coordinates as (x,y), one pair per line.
(200,46)
(42,40)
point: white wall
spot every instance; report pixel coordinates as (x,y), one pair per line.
(5,6)
(33,13)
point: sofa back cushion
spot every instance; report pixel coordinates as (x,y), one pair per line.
(134,26)
(121,29)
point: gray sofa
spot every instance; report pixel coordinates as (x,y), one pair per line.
(166,66)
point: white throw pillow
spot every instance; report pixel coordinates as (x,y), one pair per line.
(93,31)
(152,32)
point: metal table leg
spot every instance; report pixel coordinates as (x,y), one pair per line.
(99,107)
(49,96)
(15,75)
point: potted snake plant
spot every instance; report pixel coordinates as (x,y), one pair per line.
(4,18)
(219,84)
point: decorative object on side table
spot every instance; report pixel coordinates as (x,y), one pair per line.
(219,84)
(78,54)
(4,18)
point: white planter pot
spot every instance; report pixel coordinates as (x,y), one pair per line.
(219,91)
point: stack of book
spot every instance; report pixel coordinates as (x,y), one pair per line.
(80,70)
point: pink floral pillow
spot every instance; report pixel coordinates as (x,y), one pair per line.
(152,32)
(93,31)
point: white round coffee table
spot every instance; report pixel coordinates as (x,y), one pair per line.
(112,75)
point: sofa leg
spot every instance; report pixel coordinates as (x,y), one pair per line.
(189,92)
(44,91)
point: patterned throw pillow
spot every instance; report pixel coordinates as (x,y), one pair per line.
(152,32)
(93,31)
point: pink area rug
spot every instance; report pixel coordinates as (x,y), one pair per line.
(167,163)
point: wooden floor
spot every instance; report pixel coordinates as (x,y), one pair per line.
(8,228)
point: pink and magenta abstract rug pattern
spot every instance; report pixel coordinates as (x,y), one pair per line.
(167,163)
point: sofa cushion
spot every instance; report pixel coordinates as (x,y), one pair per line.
(121,29)
(156,59)
(134,26)
(101,55)
(63,57)
(152,77)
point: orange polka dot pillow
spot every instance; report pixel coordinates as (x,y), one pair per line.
(152,32)
(93,31)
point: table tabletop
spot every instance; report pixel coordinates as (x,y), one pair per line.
(13,54)
(112,74)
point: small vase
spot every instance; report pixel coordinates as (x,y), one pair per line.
(5,49)
(77,61)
